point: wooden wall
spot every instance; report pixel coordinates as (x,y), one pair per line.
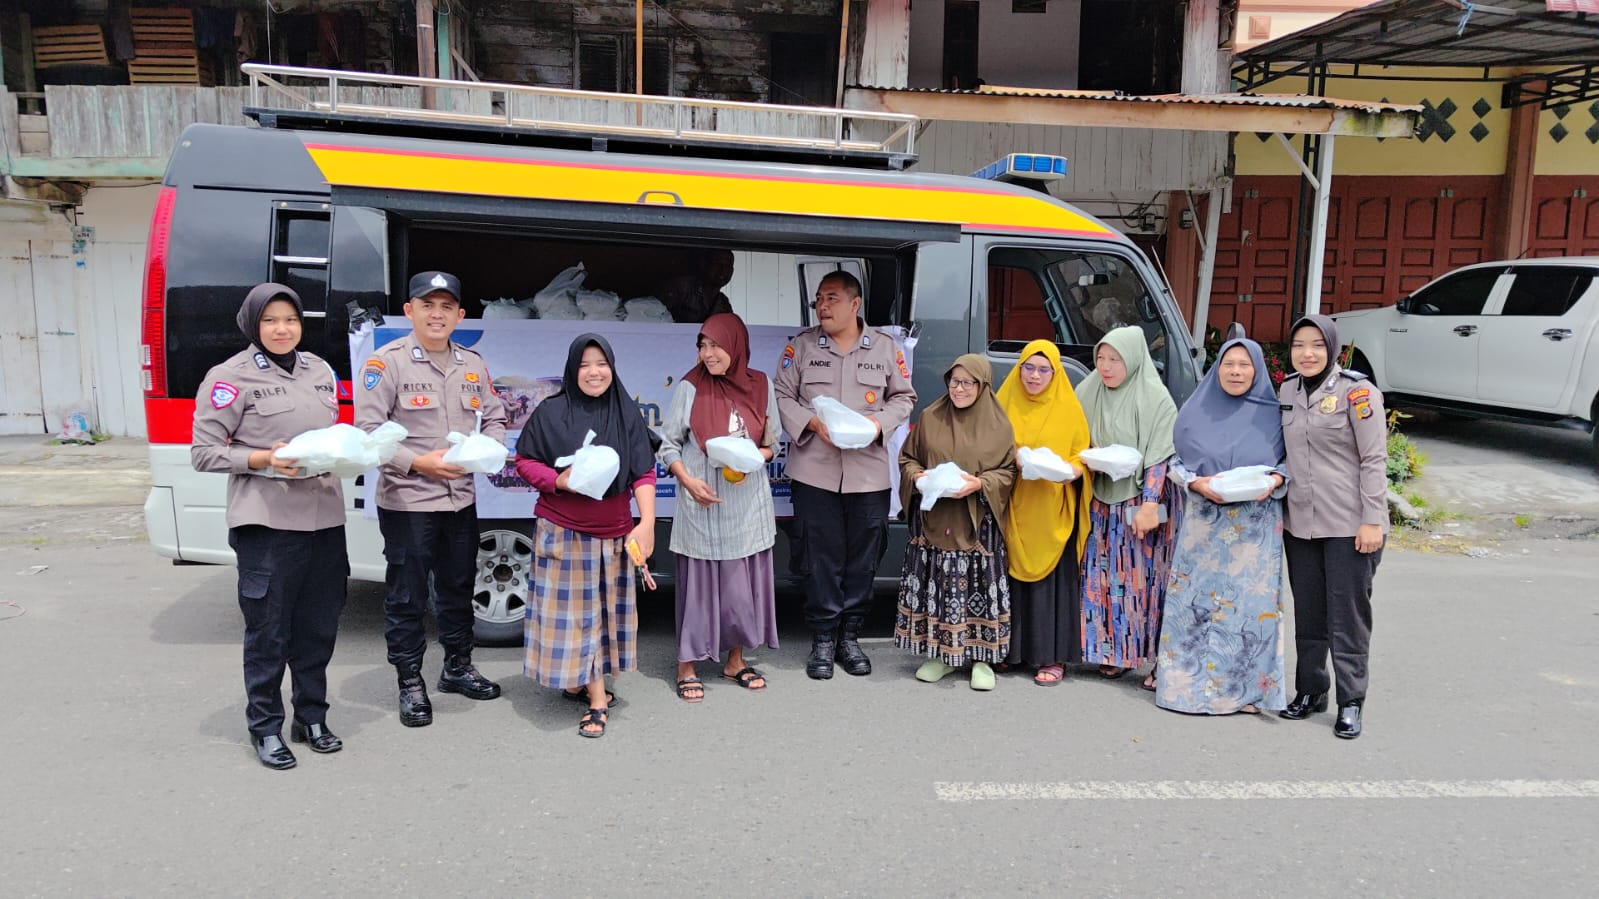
(719,48)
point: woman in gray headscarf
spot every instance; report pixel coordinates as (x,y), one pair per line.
(1337,441)
(1221,633)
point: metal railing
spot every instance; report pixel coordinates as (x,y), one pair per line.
(484,103)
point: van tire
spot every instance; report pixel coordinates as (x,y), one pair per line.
(502,587)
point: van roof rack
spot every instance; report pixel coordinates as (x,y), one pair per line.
(334,100)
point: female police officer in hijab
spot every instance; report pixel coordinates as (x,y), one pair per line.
(1337,515)
(286,530)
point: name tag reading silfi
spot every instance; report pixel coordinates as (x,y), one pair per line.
(1329,405)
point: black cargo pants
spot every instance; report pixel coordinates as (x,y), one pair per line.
(1332,612)
(291,591)
(416,545)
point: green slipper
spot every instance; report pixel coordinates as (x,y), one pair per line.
(982,676)
(933,671)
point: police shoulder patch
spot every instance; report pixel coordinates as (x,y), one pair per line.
(788,355)
(1358,394)
(899,360)
(223,394)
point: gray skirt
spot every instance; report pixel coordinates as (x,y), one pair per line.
(723,605)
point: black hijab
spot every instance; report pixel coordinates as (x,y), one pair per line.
(560,422)
(254,306)
(1329,334)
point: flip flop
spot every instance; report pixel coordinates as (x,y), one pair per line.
(1149,682)
(746,676)
(1058,672)
(1111,672)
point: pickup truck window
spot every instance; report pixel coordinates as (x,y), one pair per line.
(1464,293)
(1546,290)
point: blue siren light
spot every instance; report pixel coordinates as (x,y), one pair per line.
(1024,167)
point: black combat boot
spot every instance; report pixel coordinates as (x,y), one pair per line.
(820,665)
(849,654)
(461,676)
(415,710)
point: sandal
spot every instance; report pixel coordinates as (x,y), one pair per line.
(1049,675)
(1111,672)
(1148,683)
(745,677)
(582,695)
(688,686)
(592,718)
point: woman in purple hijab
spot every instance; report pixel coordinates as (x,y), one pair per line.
(1221,642)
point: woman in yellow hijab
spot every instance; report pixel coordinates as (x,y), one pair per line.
(1047,522)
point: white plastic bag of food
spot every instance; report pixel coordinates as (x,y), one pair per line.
(558,299)
(848,429)
(593,468)
(644,309)
(1236,485)
(1044,464)
(1115,461)
(475,452)
(599,304)
(940,481)
(505,307)
(738,453)
(343,450)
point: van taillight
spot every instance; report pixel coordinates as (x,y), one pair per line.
(153,352)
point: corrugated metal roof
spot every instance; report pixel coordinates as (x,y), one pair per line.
(1295,101)
(1440,33)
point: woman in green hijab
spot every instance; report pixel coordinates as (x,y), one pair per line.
(1133,520)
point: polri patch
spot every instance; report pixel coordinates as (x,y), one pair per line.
(223,394)
(420,401)
(471,377)
(476,403)
(370,379)
(871,396)
(899,359)
(1363,410)
(1358,394)
(788,355)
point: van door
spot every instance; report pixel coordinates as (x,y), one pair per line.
(1072,294)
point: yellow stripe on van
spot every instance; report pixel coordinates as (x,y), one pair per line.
(974,208)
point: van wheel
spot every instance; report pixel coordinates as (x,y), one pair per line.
(501,593)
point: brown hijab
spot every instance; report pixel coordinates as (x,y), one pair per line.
(742,388)
(979,439)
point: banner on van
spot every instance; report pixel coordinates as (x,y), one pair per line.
(525,357)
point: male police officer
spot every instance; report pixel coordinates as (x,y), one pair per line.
(426,506)
(841,497)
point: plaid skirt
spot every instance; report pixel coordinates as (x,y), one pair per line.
(582,623)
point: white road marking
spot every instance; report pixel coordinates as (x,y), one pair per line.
(1244,789)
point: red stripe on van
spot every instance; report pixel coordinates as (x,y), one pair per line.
(172,420)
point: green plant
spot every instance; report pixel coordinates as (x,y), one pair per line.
(1405,459)
(1522,521)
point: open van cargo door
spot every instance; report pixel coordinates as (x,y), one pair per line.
(655,217)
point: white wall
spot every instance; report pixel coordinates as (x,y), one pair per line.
(119,214)
(1026,50)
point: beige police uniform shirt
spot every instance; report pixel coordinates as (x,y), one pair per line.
(872,379)
(1337,444)
(247,404)
(401,382)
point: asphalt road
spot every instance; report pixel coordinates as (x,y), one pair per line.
(124,766)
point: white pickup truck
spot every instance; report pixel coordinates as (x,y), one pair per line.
(1515,340)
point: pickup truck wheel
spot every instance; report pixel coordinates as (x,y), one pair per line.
(1359,362)
(502,590)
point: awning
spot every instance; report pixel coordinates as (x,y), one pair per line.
(1556,36)
(1241,112)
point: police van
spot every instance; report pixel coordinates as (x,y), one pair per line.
(344,202)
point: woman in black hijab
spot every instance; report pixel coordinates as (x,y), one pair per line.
(287,531)
(1336,437)
(583,621)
